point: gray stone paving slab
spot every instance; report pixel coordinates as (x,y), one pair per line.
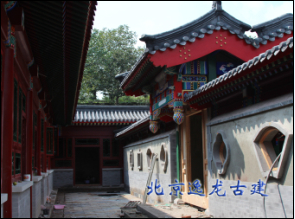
(90,205)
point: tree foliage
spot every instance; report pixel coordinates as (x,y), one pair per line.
(110,52)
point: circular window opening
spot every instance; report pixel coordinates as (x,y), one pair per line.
(271,145)
(278,143)
(149,158)
(131,159)
(163,157)
(220,154)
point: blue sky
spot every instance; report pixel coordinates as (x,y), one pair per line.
(157,17)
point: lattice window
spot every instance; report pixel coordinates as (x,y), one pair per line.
(115,148)
(106,148)
(87,141)
(69,147)
(17,163)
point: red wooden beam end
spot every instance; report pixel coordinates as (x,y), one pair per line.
(16,17)
(34,70)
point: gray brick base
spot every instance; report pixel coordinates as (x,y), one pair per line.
(44,189)
(50,182)
(111,176)
(62,178)
(21,204)
(36,202)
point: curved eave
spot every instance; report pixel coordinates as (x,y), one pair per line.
(91,15)
(102,123)
(136,67)
(284,48)
(217,40)
(274,24)
(133,127)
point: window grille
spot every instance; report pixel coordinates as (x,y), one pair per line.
(106,148)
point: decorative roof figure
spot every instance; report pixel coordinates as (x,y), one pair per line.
(217,5)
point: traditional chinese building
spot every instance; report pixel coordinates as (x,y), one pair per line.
(43,51)
(229,100)
(87,151)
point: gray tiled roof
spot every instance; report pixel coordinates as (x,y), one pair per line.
(267,31)
(138,123)
(246,65)
(217,19)
(142,57)
(110,113)
(121,76)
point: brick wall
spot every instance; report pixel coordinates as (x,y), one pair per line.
(111,176)
(250,206)
(21,204)
(135,180)
(36,202)
(62,178)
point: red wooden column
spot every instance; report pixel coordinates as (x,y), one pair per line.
(7,127)
(45,145)
(29,140)
(38,146)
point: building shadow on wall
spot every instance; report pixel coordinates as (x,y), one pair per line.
(236,164)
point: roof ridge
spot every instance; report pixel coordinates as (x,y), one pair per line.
(213,20)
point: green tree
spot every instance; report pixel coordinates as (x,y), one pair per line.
(110,52)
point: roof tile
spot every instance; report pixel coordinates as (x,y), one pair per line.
(266,55)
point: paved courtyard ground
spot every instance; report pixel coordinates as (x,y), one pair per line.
(87,205)
(107,205)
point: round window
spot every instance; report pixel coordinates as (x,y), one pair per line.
(220,153)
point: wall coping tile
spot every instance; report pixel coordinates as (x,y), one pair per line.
(37,178)
(63,170)
(4,198)
(21,187)
(44,174)
(50,171)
